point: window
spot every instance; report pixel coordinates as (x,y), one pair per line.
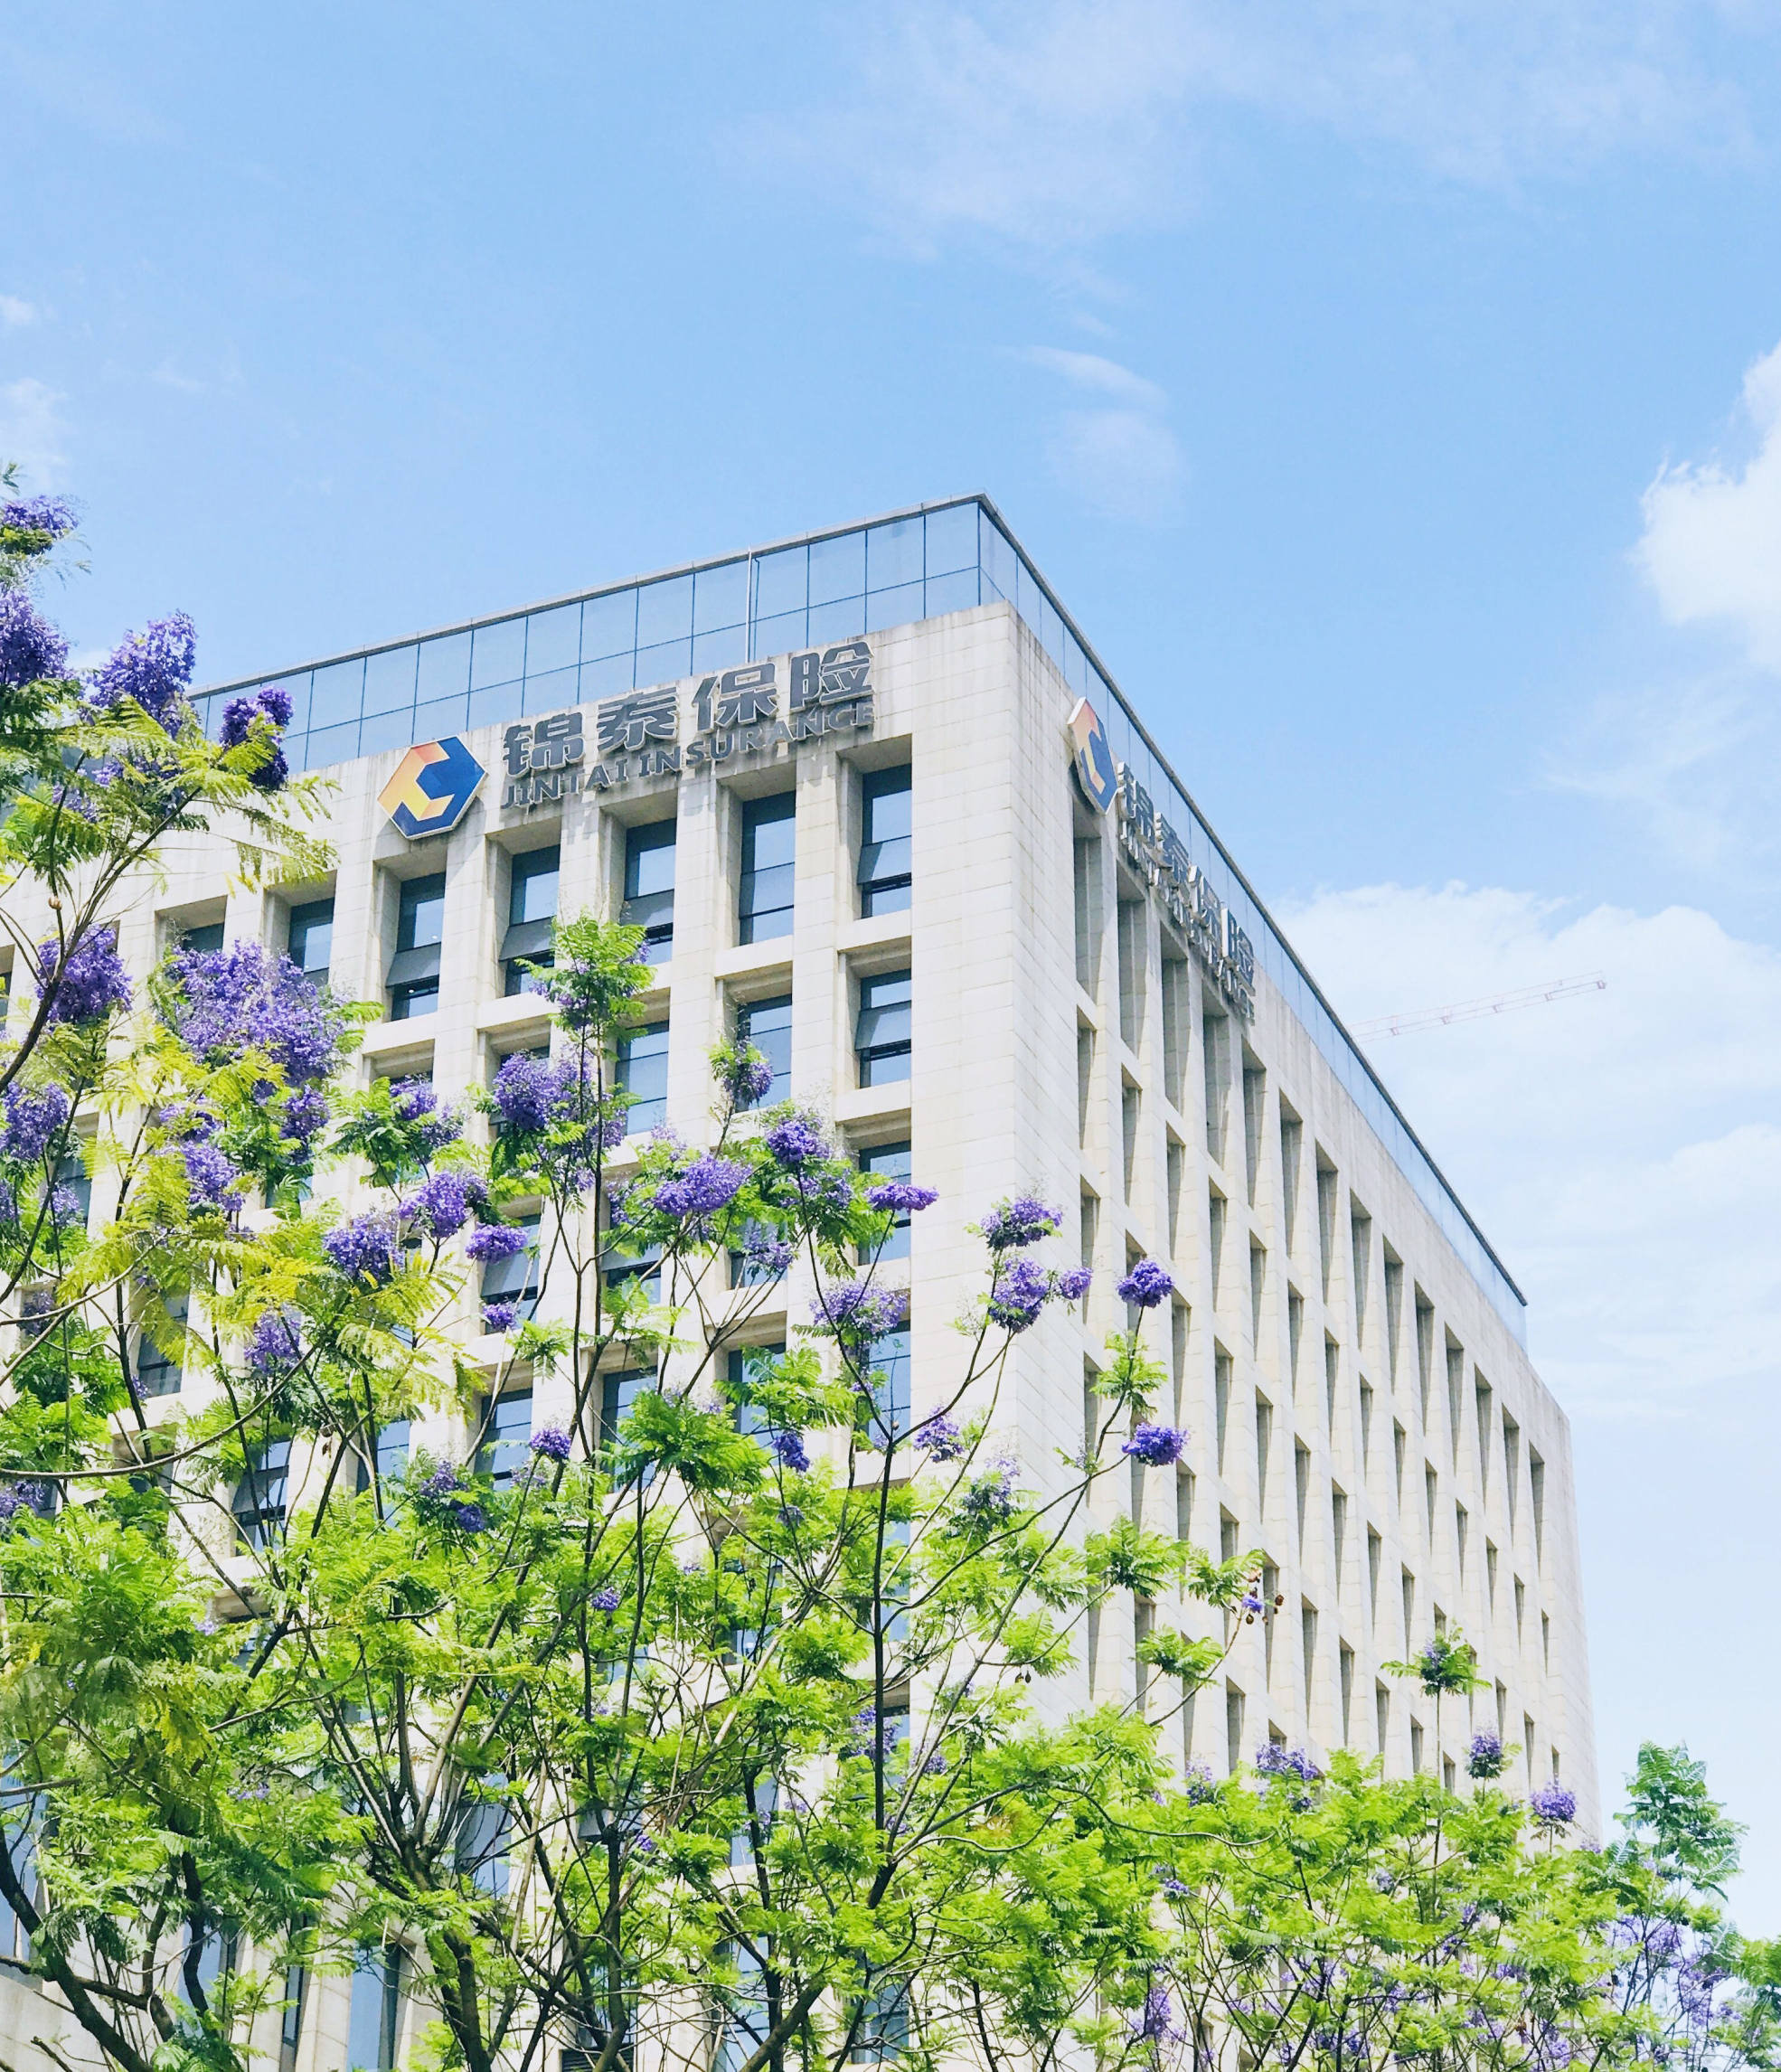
(532,914)
(888,1362)
(649,887)
(374,2011)
(643,1072)
(768,867)
(515,1279)
(393,1443)
(624,1266)
(748,1364)
(72,1178)
(310,944)
(888,1162)
(1375,1554)
(618,1391)
(1233,1728)
(261,1494)
(157,1373)
(1537,1490)
(1345,1662)
(414,970)
(767,1025)
(505,1451)
(1291,1144)
(881,1038)
(742,2024)
(485,1834)
(290,2023)
(1338,1531)
(762,1259)
(885,848)
(197,940)
(760,1803)
(1222,1373)
(883,2027)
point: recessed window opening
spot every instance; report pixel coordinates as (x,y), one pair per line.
(531,916)
(649,887)
(769,834)
(881,1039)
(885,841)
(414,970)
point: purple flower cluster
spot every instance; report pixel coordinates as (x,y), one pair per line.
(1072,1284)
(857,1312)
(708,1185)
(305,1117)
(438,1500)
(277,1341)
(606,1598)
(272,705)
(52,516)
(500,1315)
(797,1142)
(787,1449)
(33,1498)
(552,1441)
(31,648)
(495,1241)
(1156,1445)
(154,667)
(900,1197)
(1274,1760)
(441,1204)
(32,1119)
(247,997)
(1024,1221)
(531,1095)
(1146,1286)
(526,1089)
(1553,1805)
(367,1249)
(435,1127)
(212,1180)
(92,982)
(1199,1785)
(990,1501)
(1157,2024)
(940,1440)
(767,1254)
(746,1077)
(1020,1293)
(1484,1758)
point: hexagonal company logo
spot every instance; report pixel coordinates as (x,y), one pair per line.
(1095,770)
(431,786)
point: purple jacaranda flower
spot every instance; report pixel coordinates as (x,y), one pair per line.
(9,1203)
(1156,1445)
(247,997)
(940,1440)
(277,703)
(1072,1284)
(367,1249)
(787,1449)
(1020,1293)
(1146,1286)
(551,1440)
(93,981)
(1272,1759)
(990,1499)
(31,648)
(1553,1805)
(1484,1758)
(606,1598)
(708,1185)
(34,1116)
(469,1518)
(154,667)
(1252,1603)
(441,1205)
(936,1764)
(1171,1887)
(306,1115)
(797,1142)
(52,516)
(213,1181)
(900,1197)
(238,718)
(28,1499)
(1024,1221)
(857,1312)
(65,1206)
(435,1125)
(277,1341)
(767,1255)
(746,1077)
(525,1091)
(500,1315)
(495,1241)
(1156,2024)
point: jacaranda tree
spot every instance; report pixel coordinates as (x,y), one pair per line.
(712,1719)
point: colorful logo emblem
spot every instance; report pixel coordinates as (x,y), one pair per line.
(1095,770)
(432,784)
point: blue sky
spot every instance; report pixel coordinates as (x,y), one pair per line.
(1388,394)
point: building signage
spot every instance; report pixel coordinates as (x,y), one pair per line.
(744,713)
(431,786)
(1159,856)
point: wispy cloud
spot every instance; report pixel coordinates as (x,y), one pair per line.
(15,314)
(1121,459)
(31,429)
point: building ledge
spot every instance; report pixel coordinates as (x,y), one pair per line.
(864,1104)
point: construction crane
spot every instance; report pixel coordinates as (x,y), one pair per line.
(1475,1009)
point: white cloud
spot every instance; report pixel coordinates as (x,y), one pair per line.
(1622,1150)
(31,429)
(1122,461)
(14,313)
(1711,547)
(1058,123)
